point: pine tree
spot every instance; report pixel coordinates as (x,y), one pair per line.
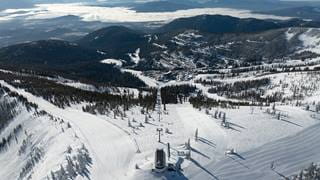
(224,118)
(129,123)
(189,144)
(196,135)
(146,119)
(53,177)
(169,152)
(62,173)
(70,168)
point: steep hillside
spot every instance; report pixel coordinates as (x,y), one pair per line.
(56,58)
(50,52)
(43,145)
(200,137)
(114,40)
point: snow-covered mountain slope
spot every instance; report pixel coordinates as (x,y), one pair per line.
(113,141)
(249,131)
(123,148)
(38,146)
(274,160)
(100,137)
(311,40)
(285,86)
(147,80)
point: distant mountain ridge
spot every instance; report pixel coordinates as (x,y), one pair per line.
(305,12)
(188,43)
(48,52)
(114,39)
(178,41)
(229,24)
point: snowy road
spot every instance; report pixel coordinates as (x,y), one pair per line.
(110,148)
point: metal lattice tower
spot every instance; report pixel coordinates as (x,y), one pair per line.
(159,103)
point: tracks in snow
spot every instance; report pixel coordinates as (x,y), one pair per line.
(289,155)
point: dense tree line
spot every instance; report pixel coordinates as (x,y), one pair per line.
(247,90)
(261,68)
(209,82)
(201,101)
(122,104)
(274,68)
(64,96)
(239,86)
(176,94)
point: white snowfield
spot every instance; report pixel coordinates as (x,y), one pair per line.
(123,151)
(147,80)
(248,132)
(135,57)
(51,138)
(287,156)
(116,62)
(311,40)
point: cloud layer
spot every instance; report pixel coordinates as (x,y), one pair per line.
(118,14)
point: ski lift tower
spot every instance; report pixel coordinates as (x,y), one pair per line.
(159,132)
(159,102)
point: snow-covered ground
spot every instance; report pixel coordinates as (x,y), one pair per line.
(249,131)
(42,137)
(113,61)
(290,84)
(135,57)
(111,148)
(274,160)
(123,148)
(117,148)
(311,41)
(147,80)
